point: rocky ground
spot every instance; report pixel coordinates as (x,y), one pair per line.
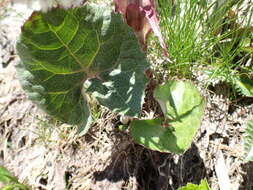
(48,155)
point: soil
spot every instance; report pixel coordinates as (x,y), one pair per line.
(48,155)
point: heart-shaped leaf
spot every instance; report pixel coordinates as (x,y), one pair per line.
(61,49)
(183,109)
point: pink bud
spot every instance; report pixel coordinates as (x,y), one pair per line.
(141,16)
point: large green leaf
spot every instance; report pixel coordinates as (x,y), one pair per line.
(183,108)
(202,186)
(61,49)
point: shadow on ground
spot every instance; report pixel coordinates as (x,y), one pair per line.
(153,170)
(247,183)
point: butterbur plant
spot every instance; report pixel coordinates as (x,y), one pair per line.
(67,54)
(63,49)
(183,109)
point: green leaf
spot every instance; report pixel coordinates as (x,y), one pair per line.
(123,127)
(9,181)
(122,90)
(248,141)
(153,135)
(6,176)
(248,49)
(179,99)
(183,109)
(17,186)
(202,186)
(244,85)
(61,49)
(183,106)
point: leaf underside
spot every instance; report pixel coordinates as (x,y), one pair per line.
(183,108)
(61,49)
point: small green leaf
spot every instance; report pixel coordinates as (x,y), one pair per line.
(244,85)
(248,141)
(123,127)
(248,49)
(153,135)
(179,99)
(17,186)
(6,176)
(183,108)
(9,181)
(202,186)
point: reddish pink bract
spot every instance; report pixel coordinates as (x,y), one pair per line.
(142,17)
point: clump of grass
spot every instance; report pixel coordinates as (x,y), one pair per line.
(182,24)
(215,34)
